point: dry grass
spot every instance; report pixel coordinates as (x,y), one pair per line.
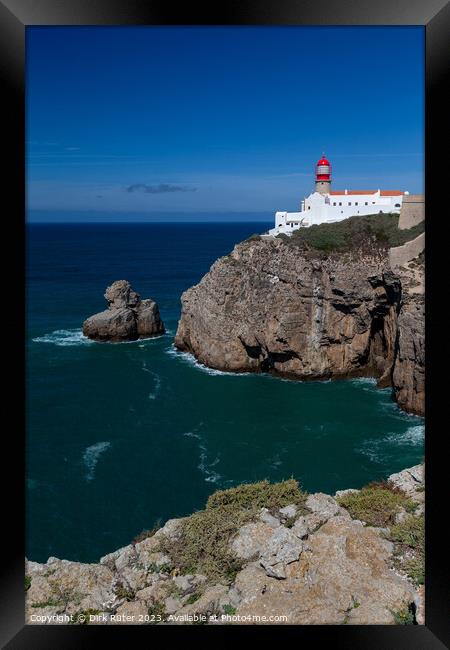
(204,541)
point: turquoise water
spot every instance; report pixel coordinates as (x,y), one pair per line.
(121,435)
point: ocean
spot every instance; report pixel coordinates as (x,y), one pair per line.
(121,436)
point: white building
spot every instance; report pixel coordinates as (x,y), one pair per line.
(327,206)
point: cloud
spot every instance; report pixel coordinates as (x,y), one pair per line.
(162,188)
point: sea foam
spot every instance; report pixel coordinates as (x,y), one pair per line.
(64,338)
(76,337)
(189,359)
(91,456)
(378,450)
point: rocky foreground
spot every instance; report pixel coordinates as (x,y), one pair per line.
(127,318)
(267,306)
(298,559)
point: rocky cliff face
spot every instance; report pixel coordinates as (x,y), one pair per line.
(308,563)
(127,318)
(269,307)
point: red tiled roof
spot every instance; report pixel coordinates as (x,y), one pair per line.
(356,192)
(353,192)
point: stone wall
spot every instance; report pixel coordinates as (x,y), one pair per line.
(412,211)
(400,255)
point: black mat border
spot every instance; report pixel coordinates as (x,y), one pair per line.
(434,15)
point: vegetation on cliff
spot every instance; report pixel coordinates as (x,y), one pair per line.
(376,504)
(409,539)
(365,233)
(203,543)
(255,548)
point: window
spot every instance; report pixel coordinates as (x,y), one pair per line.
(373,202)
(340,204)
(349,203)
(397,205)
(309,207)
(334,203)
(366,203)
(356,203)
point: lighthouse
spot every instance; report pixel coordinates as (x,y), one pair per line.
(325,205)
(323,176)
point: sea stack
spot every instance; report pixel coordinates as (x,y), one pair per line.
(127,318)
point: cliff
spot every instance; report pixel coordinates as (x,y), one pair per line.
(258,553)
(274,306)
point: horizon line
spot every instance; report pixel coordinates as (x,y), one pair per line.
(96,223)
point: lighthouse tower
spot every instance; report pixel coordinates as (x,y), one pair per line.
(323,176)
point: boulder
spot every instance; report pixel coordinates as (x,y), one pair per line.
(127,318)
(411,481)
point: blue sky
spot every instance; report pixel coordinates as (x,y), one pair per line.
(214,122)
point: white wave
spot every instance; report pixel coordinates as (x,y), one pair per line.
(191,434)
(157,379)
(64,338)
(211,476)
(189,359)
(76,337)
(376,449)
(91,456)
(275,462)
(206,467)
(364,380)
(148,339)
(412,436)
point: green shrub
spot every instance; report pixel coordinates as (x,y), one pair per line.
(50,602)
(367,232)
(376,505)
(404,617)
(203,543)
(193,598)
(158,612)
(124,592)
(259,495)
(409,539)
(229,610)
(27,582)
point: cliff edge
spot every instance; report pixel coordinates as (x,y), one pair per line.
(258,553)
(271,305)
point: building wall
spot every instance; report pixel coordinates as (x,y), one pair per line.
(412,212)
(319,208)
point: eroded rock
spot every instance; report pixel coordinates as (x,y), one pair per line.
(336,317)
(127,318)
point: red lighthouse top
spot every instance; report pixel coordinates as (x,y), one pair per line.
(323,169)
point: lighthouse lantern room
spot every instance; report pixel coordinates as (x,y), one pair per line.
(323,176)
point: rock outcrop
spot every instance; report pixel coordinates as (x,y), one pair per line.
(312,564)
(127,318)
(268,306)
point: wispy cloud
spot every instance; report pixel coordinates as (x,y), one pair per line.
(162,188)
